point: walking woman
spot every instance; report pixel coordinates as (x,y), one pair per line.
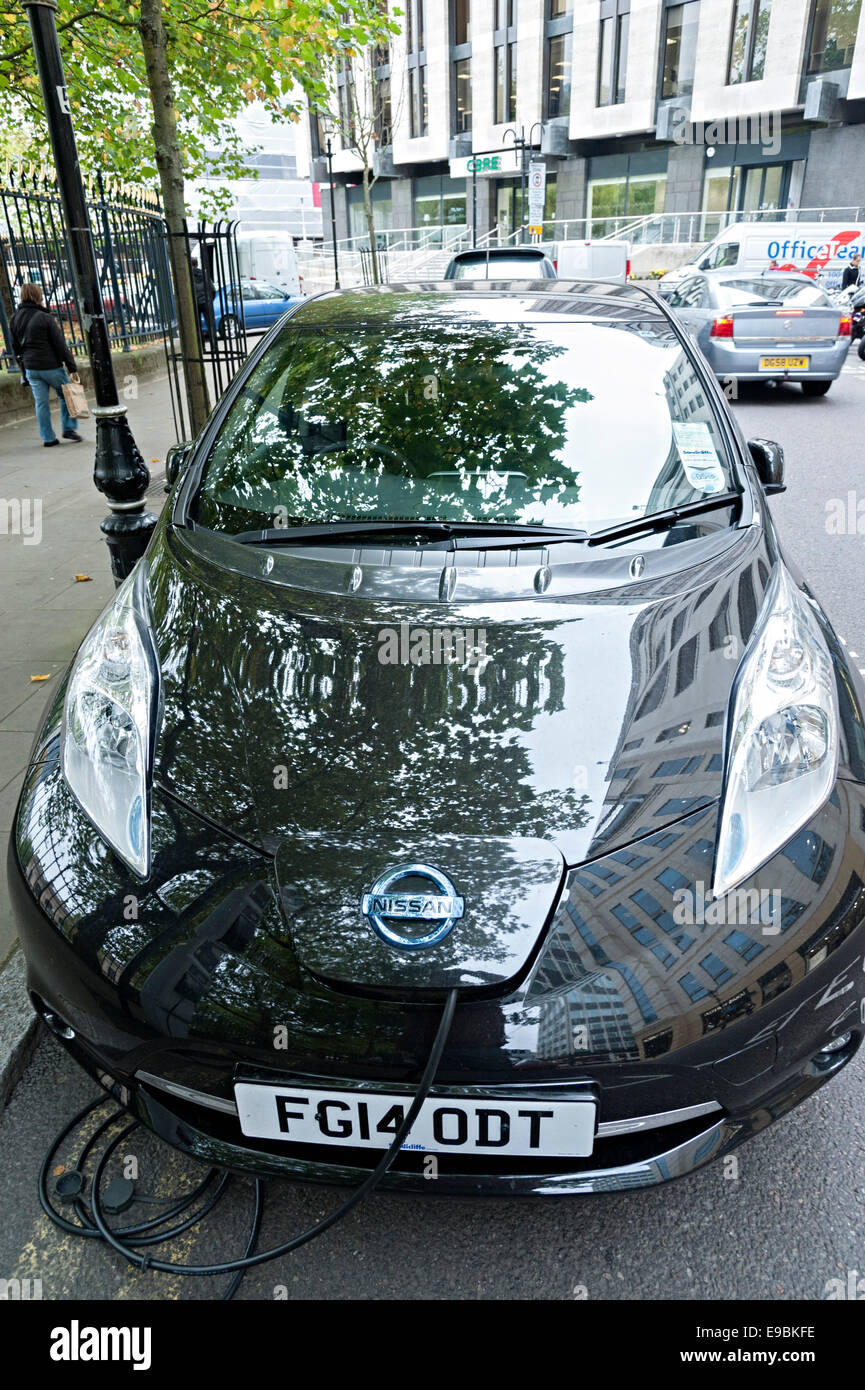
(44,359)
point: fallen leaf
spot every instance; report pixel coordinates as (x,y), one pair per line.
(82,579)
(41,678)
(58,1170)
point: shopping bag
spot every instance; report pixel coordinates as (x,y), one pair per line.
(73,395)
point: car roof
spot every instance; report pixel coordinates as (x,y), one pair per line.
(479,300)
(483,253)
(731,274)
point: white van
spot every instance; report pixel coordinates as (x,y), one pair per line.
(593,260)
(808,247)
(270,256)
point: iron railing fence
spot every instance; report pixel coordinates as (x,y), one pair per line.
(414,252)
(131,253)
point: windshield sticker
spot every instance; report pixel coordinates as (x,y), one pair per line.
(699,455)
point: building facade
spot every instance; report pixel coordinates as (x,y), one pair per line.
(635,107)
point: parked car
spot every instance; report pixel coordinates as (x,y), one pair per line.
(258,303)
(410,766)
(501,263)
(773,327)
(62,301)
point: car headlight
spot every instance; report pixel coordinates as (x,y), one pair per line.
(109,724)
(782,741)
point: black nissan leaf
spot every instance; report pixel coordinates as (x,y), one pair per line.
(464,682)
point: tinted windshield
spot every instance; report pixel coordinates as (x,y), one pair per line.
(437,417)
(498,268)
(771,292)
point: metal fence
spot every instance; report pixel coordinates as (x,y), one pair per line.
(212,256)
(129,236)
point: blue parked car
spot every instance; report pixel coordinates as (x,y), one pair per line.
(262,304)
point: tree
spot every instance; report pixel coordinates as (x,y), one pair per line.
(363,107)
(153,84)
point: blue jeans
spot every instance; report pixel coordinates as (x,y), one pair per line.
(40,385)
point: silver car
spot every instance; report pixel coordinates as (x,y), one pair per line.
(770,327)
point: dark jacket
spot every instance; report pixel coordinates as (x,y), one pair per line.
(37,340)
(850,276)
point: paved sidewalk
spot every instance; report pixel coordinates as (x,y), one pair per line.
(44,612)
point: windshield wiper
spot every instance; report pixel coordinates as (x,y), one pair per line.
(663,520)
(454,532)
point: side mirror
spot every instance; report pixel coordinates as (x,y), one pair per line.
(175,462)
(769,461)
(705,264)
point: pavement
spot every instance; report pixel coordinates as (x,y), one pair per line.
(50,513)
(788,1220)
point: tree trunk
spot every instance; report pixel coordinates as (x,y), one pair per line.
(370,223)
(169,162)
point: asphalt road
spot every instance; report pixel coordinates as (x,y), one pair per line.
(793,1218)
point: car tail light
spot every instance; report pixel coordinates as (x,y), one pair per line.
(628,268)
(845,327)
(556,265)
(789,313)
(723,327)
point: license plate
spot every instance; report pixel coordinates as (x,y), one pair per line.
(446,1124)
(784,364)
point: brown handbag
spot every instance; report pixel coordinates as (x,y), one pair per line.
(73,395)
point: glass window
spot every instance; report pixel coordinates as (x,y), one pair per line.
(337,421)
(743,945)
(500,268)
(512,82)
(500,107)
(424,107)
(715,967)
(462,22)
(748,44)
(413,113)
(613,61)
(771,291)
(680,49)
(559,75)
(692,987)
(558,8)
(383,115)
(833,34)
(462,95)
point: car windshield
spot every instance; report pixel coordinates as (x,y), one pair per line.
(463,411)
(771,292)
(498,268)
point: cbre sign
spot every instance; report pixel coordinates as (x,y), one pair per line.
(485,165)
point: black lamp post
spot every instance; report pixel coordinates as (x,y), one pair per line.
(119,471)
(327,128)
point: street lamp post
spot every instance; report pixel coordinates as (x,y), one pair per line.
(327,128)
(119,471)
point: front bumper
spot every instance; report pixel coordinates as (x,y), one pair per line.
(173,990)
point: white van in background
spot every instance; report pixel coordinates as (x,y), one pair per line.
(593,260)
(270,256)
(808,247)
